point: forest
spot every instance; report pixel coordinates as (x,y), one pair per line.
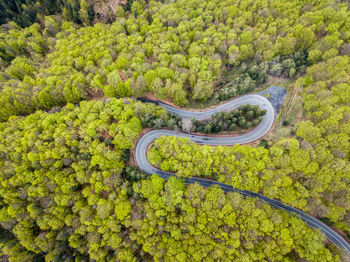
(26,12)
(66,191)
(70,75)
(244,117)
(177,51)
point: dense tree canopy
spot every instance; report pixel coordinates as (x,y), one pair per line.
(26,12)
(192,223)
(177,51)
(63,176)
(66,193)
(68,190)
(310,171)
(244,117)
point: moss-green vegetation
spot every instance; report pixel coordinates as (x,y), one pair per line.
(26,12)
(244,117)
(66,190)
(66,193)
(195,224)
(63,176)
(310,171)
(176,50)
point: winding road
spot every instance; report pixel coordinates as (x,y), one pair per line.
(258,132)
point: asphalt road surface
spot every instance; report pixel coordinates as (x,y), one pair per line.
(258,132)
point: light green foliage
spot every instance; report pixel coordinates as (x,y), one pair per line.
(63,176)
(20,67)
(83,13)
(240,166)
(272,171)
(64,189)
(180,49)
(244,117)
(26,12)
(195,224)
(21,52)
(16,42)
(310,173)
(123,207)
(327,134)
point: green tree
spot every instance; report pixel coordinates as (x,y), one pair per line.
(84,13)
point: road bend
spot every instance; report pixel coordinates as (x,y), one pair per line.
(264,126)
